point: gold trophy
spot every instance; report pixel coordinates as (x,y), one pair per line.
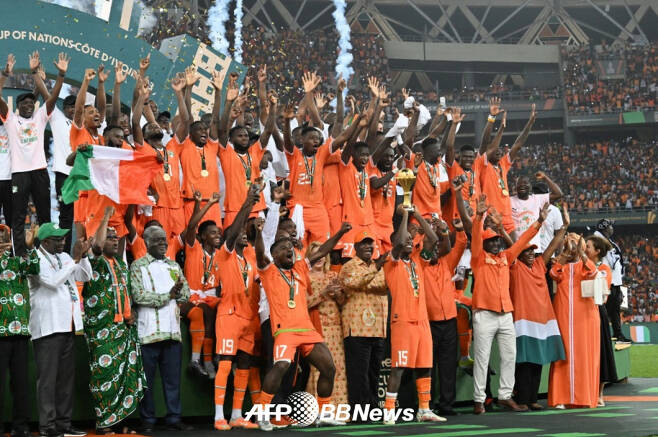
(406,179)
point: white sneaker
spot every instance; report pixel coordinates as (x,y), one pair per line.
(560,407)
(210,368)
(264,425)
(428,416)
(389,417)
(329,422)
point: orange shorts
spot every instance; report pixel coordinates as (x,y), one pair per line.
(234,333)
(80,209)
(213,214)
(316,225)
(347,241)
(335,214)
(411,345)
(229,217)
(287,343)
(171,219)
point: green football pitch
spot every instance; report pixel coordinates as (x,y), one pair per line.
(643,361)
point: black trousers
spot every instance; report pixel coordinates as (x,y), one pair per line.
(288,381)
(65,211)
(167,356)
(363,356)
(5,201)
(35,183)
(527,378)
(13,358)
(445,345)
(612,306)
(55,362)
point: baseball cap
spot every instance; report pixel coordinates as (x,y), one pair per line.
(24,96)
(530,246)
(51,229)
(489,233)
(363,235)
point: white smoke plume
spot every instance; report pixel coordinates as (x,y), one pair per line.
(344,61)
(217,17)
(147,19)
(86,6)
(238,31)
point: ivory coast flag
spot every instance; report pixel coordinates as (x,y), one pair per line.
(122,175)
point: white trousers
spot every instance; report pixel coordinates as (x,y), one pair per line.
(488,325)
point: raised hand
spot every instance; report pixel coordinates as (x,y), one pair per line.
(566,220)
(261,75)
(197,196)
(144,63)
(533,112)
(144,89)
(345,227)
(213,199)
(42,72)
(119,74)
(11,61)
(543,213)
(494,106)
(405,93)
(482,206)
(62,63)
(289,111)
(191,75)
(457,115)
(273,97)
(90,74)
(102,74)
(373,85)
(504,123)
(310,81)
(341,85)
(259,224)
(457,184)
(35,60)
(458,225)
(233,90)
(319,100)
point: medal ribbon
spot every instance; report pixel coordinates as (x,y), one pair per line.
(413,276)
(119,314)
(310,171)
(291,284)
(499,173)
(362,184)
(431,173)
(246,165)
(244,269)
(207,267)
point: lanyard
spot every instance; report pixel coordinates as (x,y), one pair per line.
(431,174)
(207,267)
(291,283)
(72,291)
(244,269)
(119,313)
(246,165)
(165,156)
(413,276)
(501,181)
(471,182)
(310,172)
(204,171)
(362,185)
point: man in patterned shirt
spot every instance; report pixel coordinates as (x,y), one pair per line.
(15,326)
(158,286)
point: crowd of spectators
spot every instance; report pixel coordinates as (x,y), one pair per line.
(641,278)
(603,175)
(587,92)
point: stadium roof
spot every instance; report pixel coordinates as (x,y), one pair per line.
(471,21)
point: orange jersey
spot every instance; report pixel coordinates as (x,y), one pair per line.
(78,136)
(356,195)
(168,187)
(239,171)
(493,181)
(240,293)
(191,160)
(431,182)
(277,284)
(383,203)
(405,280)
(438,282)
(138,247)
(95,210)
(201,270)
(470,188)
(331,182)
(307,175)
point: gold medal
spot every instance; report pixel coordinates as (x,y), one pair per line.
(204,173)
(291,304)
(505,192)
(166,177)
(248,183)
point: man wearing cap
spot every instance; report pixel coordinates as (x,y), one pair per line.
(615,260)
(492,306)
(15,328)
(55,318)
(364,319)
(25,133)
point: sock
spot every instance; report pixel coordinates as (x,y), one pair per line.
(265,398)
(207,349)
(389,403)
(196,331)
(220,387)
(323,401)
(423,386)
(239,388)
(254,384)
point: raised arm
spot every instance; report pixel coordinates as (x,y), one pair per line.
(119,79)
(430,236)
(128,221)
(225,121)
(523,241)
(142,96)
(144,64)
(101,232)
(494,110)
(328,245)
(6,72)
(558,238)
(346,153)
(191,78)
(556,192)
(310,82)
(401,235)
(178,84)
(476,236)
(78,115)
(288,114)
(493,145)
(340,108)
(523,136)
(261,75)
(232,233)
(259,246)
(457,118)
(270,123)
(215,126)
(343,137)
(62,65)
(101,99)
(384,144)
(190,231)
(466,221)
